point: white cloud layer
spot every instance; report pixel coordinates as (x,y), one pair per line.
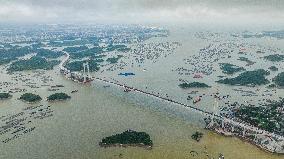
(140,11)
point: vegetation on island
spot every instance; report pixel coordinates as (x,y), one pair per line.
(129,137)
(228,68)
(193,85)
(15,52)
(83,51)
(67,42)
(37,45)
(74,49)
(5,96)
(30,97)
(86,53)
(113,60)
(112,47)
(78,65)
(197,136)
(274,58)
(273,68)
(58,97)
(48,53)
(269,116)
(271,85)
(249,62)
(33,64)
(252,78)
(6,61)
(279,79)
(11,53)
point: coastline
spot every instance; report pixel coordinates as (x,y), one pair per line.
(247,140)
(267,148)
(147,147)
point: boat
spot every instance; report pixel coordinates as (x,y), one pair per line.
(127,90)
(189,98)
(74,91)
(196,100)
(126,74)
(197,76)
(106,86)
(221,156)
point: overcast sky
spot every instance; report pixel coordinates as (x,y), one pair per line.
(139,11)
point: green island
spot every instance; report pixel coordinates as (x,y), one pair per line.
(228,68)
(86,53)
(197,136)
(6,61)
(272,86)
(78,65)
(128,138)
(12,53)
(5,96)
(74,49)
(30,97)
(193,85)
(58,97)
(67,42)
(48,53)
(112,47)
(273,68)
(279,79)
(37,45)
(269,116)
(32,64)
(249,62)
(113,60)
(248,78)
(274,58)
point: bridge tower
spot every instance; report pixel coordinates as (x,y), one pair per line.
(211,124)
(86,75)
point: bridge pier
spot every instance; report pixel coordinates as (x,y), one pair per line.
(232,128)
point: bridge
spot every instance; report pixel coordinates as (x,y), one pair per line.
(277,147)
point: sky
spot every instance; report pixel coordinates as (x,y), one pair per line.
(141,11)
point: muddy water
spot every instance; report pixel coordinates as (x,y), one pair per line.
(78,125)
(94,112)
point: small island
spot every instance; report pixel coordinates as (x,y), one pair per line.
(228,68)
(30,97)
(197,136)
(58,97)
(128,138)
(5,96)
(249,62)
(274,58)
(114,60)
(273,68)
(32,64)
(279,79)
(193,85)
(78,65)
(248,78)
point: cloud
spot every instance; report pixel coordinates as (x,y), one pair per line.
(139,11)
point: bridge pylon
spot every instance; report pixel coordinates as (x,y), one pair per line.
(86,72)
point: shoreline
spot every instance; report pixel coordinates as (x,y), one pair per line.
(245,139)
(147,147)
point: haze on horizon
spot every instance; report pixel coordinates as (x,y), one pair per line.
(141,11)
